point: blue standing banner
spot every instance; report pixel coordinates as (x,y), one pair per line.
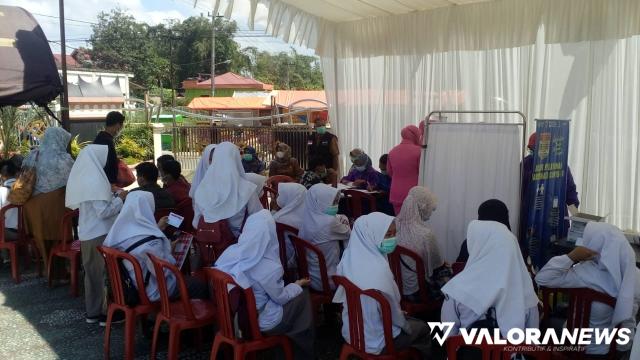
(547,189)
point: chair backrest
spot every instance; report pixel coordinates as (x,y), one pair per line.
(111,258)
(580,301)
(283,230)
(160,213)
(185,209)
(273,181)
(3,212)
(303,248)
(225,288)
(159,266)
(268,193)
(69,229)
(494,352)
(457,267)
(399,265)
(356,320)
(355,201)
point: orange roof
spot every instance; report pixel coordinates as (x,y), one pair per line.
(228,103)
(228,80)
(285,98)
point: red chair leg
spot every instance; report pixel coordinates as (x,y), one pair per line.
(74,275)
(288,352)
(238,352)
(154,342)
(15,266)
(217,344)
(174,343)
(129,335)
(107,333)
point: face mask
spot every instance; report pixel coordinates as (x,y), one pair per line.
(388,245)
(383,172)
(323,174)
(280,154)
(321,129)
(353,159)
(247,157)
(361,168)
(332,210)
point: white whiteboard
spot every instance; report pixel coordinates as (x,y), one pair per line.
(464,165)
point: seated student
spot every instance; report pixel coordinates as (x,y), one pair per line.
(147,177)
(225,191)
(171,178)
(160,163)
(324,229)
(362,174)
(603,261)
(291,203)
(364,263)
(250,161)
(490,210)
(317,173)
(8,173)
(206,158)
(136,225)
(384,186)
(254,262)
(414,234)
(494,287)
(89,190)
(284,164)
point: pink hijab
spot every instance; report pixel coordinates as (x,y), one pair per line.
(411,135)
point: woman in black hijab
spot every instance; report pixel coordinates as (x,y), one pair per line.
(490,210)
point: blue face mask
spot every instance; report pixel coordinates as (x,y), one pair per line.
(388,245)
(360,168)
(321,130)
(332,210)
(247,157)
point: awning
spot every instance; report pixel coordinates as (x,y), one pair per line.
(228,103)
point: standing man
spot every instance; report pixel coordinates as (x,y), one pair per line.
(324,145)
(113,125)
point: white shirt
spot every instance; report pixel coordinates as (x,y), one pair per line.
(559,273)
(463,317)
(271,295)
(331,251)
(11,216)
(252,207)
(161,248)
(97,217)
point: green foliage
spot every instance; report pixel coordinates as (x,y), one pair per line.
(285,70)
(12,120)
(76,146)
(135,142)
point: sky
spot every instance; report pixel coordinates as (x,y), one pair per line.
(150,11)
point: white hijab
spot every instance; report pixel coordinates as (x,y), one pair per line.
(291,203)
(363,263)
(258,180)
(87,180)
(255,257)
(495,276)
(317,225)
(135,219)
(224,190)
(613,270)
(201,169)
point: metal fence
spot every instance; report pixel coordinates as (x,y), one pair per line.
(188,141)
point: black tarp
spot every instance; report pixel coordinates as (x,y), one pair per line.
(27,68)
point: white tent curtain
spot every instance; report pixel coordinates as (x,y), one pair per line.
(465,165)
(571,59)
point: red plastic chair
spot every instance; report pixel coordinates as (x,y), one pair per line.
(355,201)
(457,267)
(268,198)
(425,305)
(182,314)
(22,242)
(357,347)
(254,340)
(185,209)
(64,249)
(493,352)
(131,313)
(303,247)
(578,313)
(283,230)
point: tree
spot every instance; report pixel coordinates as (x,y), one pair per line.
(284,70)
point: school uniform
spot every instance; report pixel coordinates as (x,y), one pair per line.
(291,202)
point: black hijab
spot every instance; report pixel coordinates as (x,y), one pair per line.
(494,210)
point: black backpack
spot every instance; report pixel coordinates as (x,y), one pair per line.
(130,291)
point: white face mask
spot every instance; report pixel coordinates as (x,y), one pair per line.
(280,154)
